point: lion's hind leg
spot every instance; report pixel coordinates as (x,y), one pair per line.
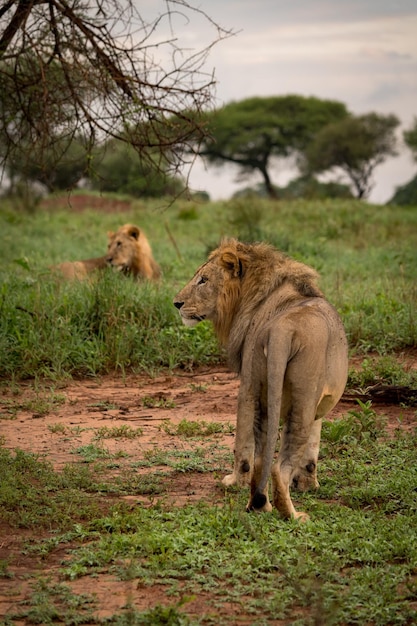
(282,473)
(258,500)
(295,441)
(305,476)
(244,452)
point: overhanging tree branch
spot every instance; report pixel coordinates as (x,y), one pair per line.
(98,70)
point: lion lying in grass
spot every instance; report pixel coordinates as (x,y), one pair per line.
(128,251)
(289,347)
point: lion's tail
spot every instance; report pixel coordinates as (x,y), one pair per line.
(277,360)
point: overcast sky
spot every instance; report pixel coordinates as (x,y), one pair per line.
(361,52)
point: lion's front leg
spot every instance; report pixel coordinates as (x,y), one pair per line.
(244,440)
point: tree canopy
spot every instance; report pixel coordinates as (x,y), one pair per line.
(410,138)
(355,145)
(96,70)
(252,133)
(118,168)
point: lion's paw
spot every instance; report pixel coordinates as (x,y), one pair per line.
(266,508)
(300,516)
(229,480)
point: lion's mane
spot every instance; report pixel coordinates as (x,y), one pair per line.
(260,273)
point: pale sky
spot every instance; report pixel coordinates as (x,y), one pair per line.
(360,52)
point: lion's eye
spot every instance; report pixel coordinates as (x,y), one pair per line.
(202,280)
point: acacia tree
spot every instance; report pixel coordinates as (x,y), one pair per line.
(253,132)
(355,145)
(97,70)
(407,194)
(410,138)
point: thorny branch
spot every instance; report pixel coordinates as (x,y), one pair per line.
(99,69)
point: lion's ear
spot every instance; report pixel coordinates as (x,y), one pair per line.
(110,234)
(134,232)
(232,263)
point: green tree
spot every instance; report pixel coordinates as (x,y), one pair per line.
(410,138)
(356,145)
(94,69)
(118,168)
(252,133)
(407,194)
(63,164)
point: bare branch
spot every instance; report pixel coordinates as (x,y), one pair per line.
(99,69)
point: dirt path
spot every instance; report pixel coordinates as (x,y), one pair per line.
(80,410)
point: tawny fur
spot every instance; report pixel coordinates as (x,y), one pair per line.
(128,251)
(289,347)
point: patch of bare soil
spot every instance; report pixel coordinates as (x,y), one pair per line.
(141,402)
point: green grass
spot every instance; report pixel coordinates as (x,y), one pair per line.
(367,257)
(354,562)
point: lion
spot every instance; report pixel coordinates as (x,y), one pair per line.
(79,270)
(128,251)
(289,347)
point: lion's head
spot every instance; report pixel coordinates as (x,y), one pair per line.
(129,252)
(213,292)
(235,280)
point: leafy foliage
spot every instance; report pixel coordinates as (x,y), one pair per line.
(406,195)
(410,138)
(118,168)
(356,145)
(252,132)
(306,187)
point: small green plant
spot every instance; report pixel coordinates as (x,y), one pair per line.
(118,432)
(4,569)
(187,428)
(383,369)
(158,401)
(57,429)
(40,403)
(198,387)
(91,453)
(358,426)
(9,409)
(52,603)
(104,405)
(180,460)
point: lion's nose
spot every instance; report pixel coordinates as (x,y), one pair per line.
(178,304)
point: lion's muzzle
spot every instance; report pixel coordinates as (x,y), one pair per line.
(188,320)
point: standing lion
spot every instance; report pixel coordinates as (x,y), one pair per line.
(289,346)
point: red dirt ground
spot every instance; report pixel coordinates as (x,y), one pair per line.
(135,401)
